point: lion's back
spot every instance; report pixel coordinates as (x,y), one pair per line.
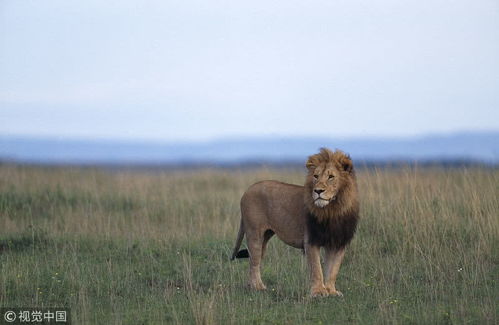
(270,193)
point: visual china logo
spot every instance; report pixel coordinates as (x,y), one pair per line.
(34,315)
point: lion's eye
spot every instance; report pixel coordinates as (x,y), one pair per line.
(316,176)
(331,177)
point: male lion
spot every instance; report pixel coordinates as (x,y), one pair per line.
(323,213)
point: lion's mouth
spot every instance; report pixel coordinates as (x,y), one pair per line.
(324,199)
(322,202)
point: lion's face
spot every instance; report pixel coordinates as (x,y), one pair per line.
(326,183)
(328,173)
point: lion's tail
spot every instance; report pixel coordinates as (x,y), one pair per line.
(236,253)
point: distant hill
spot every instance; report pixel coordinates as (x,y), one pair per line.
(475,147)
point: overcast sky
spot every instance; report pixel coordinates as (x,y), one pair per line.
(198,70)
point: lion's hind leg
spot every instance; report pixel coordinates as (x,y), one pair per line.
(266,236)
(255,247)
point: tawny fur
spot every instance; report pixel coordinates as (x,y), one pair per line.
(329,197)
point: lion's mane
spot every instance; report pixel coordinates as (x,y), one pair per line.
(333,225)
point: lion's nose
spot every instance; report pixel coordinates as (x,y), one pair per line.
(318,191)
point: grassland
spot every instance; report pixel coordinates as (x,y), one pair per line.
(132,247)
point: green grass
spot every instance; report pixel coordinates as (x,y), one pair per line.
(122,247)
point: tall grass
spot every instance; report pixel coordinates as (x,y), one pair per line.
(132,247)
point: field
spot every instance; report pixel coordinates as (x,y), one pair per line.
(152,247)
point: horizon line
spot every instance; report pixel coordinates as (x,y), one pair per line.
(244,137)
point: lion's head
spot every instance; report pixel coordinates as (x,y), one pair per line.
(330,185)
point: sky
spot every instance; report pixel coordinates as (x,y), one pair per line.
(200,70)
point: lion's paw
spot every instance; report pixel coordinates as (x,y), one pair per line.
(334,292)
(257,286)
(319,292)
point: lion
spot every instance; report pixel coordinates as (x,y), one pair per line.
(323,213)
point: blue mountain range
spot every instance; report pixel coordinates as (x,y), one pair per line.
(465,146)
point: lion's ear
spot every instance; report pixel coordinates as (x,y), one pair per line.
(346,163)
(312,162)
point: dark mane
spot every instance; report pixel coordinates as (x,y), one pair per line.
(333,225)
(334,232)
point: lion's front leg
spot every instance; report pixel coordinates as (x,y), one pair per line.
(334,257)
(314,265)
